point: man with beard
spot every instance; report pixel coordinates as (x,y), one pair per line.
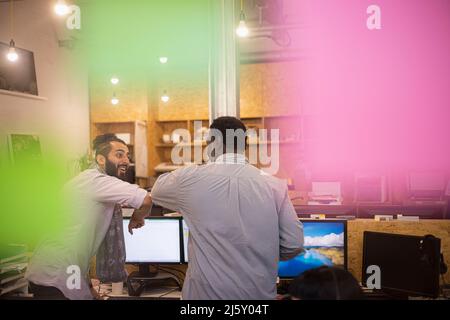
(59,268)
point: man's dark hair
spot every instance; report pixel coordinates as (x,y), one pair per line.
(102,143)
(222,124)
(325,283)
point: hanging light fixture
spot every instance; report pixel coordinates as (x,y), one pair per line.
(12,54)
(114,100)
(61,8)
(114,80)
(165,98)
(242,29)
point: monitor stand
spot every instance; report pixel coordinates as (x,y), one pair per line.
(139,280)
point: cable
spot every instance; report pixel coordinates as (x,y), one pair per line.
(175,269)
(172,273)
(11,18)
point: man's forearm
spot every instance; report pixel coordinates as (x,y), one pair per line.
(144,211)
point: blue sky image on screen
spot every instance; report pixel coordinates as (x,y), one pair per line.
(324,245)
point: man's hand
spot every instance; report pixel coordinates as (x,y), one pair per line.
(135,223)
(95,294)
(138,218)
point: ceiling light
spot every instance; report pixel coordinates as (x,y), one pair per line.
(114,80)
(242,30)
(61,8)
(114,100)
(165,98)
(12,54)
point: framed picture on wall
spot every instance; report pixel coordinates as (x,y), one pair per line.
(18,77)
(24,147)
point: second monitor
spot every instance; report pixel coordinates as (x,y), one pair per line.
(325,243)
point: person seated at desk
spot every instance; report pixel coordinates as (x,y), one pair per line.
(325,283)
(241,222)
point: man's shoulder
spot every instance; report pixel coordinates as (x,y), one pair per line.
(93,175)
(85,175)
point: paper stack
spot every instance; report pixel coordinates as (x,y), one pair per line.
(325,193)
(13,264)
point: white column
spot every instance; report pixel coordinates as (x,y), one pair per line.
(223,61)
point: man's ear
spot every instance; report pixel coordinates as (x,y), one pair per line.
(101,160)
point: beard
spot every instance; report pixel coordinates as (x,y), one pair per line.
(112,169)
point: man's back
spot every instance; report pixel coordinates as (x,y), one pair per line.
(236,217)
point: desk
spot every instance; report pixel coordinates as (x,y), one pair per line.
(424,211)
(157,293)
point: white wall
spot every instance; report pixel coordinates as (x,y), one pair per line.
(62,78)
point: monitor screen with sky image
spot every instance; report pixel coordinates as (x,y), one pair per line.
(325,245)
(158,241)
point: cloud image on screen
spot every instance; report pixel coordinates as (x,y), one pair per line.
(324,245)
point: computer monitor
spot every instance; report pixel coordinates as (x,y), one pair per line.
(325,243)
(409,265)
(185,230)
(158,241)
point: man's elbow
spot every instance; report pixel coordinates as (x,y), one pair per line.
(292,248)
(289,253)
(147,201)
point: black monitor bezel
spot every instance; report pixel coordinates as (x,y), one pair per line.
(184,261)
(391,289)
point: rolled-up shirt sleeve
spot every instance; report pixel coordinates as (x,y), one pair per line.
(110,189)
(291,230)
(165,192)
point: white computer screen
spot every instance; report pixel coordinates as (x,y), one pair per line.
(156,242)
(185,241)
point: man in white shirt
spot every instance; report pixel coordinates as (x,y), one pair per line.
(241,222)
(59,268)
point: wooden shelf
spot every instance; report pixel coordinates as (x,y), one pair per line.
(203,144)
(273,142)
(171,145)
(187,120)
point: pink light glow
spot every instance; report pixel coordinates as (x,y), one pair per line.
(378,99)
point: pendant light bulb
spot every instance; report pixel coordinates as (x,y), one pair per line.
(12,54)
(61,8)
(165,98)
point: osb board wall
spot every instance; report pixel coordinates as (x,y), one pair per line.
(189,96)
(356,228)
(280,94)
(267,89)
(132,94)
(251,85)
